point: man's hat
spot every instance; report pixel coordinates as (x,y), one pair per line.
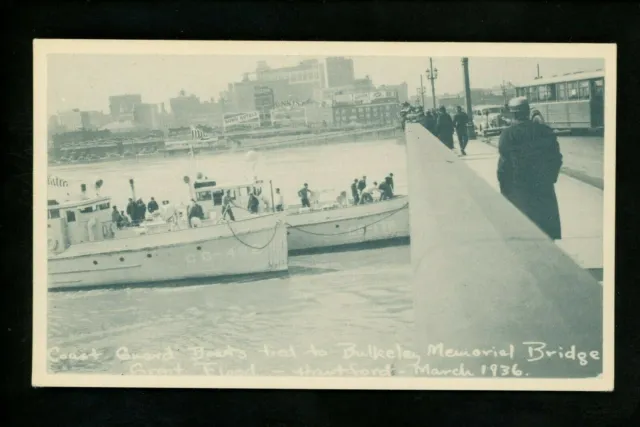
(443,109)
(519,104)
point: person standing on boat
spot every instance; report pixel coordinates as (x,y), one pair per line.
(131,211)
(368,194)
(141,210)
(227,202)
(264,199)
(152,206)
(195,211)
(354,192)
(125,220)
(341,200)
(254,203)
(116,219)
(304,196)
(279,201)
(385,190)
(362,184)
(389,180)
(169,213)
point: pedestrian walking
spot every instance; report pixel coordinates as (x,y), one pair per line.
(460,121)
(444,128)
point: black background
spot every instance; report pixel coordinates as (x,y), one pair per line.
(349,21)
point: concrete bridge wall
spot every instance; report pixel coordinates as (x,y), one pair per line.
(486,277)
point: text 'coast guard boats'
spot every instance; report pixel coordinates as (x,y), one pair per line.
(85,247)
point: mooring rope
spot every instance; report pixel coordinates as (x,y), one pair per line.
(275,229)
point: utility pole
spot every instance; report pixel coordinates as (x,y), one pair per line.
(471,130)
(432,75)
(503,86)
(422,92)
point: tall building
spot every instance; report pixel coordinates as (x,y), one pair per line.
(402,89)
(122,107)
(339,71)
(188,110)
(53,125)
(303,78)
(242,94)
(92,120)
(363,85)
(148,116)
(70,120)
(379,108)
(264,102)
(184,107)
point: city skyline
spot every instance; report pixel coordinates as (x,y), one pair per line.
(85,82)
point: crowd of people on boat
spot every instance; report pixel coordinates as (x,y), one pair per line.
(136,212)
(256,198)
(361,192)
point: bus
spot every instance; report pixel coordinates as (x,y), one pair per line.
(573,101)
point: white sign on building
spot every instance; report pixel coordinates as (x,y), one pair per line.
(252,118)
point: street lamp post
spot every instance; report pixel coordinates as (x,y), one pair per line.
(504,87)
(422,92)
(467,93)
(432,75)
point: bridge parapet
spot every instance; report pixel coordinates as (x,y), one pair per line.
(485,277)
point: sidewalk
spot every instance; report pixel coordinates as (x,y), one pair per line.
(581,207)
(583,157)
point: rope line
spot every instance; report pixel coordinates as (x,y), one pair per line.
(275,229)
(364,227)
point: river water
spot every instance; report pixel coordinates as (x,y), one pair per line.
(348,313)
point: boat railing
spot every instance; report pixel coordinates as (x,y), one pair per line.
(328,205)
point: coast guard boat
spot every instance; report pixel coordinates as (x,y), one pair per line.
(85,248)
(323,225)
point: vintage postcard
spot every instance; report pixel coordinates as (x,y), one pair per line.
(324,215)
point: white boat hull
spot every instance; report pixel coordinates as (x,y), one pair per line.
(350,225)
(251,246)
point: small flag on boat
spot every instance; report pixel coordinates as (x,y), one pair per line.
(55,181)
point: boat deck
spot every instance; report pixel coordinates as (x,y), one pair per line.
(348,212)
(132,242)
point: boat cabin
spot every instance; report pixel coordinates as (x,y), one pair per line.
(87,219)
(210,195)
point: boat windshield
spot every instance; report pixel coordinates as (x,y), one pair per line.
(216,194)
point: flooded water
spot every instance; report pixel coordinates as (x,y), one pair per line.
(326,168)
(333,314)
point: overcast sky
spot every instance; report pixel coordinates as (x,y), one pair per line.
(86,81)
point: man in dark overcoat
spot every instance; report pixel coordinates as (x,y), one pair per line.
(528,168)
(444,128)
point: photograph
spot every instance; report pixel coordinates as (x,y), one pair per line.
(236,215)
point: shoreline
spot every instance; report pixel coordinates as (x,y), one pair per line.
(255,144)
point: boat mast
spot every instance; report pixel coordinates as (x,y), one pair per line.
(133,188)
(273,208)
